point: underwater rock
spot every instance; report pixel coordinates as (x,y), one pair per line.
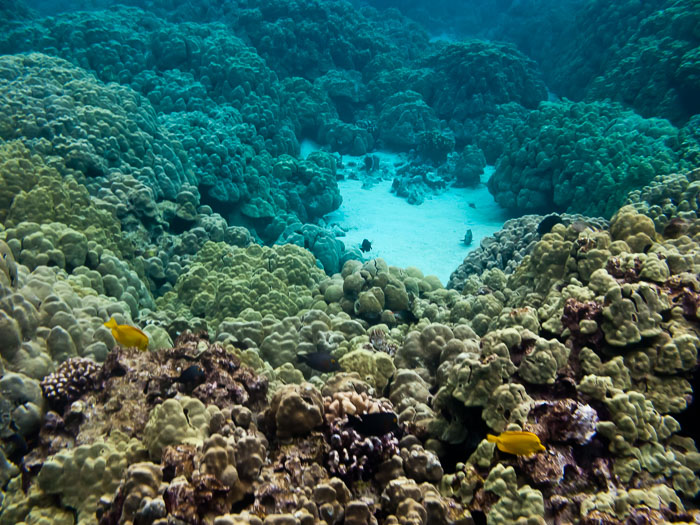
(564,421)
(465,167)
(420,464)
(137,497)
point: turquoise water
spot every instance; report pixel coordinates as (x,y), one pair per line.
(429,236)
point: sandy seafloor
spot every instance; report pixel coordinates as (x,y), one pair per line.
(427,236)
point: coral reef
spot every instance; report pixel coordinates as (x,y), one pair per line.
(129,137)
(629,41)
(73,378)
(505,250)
(592,50)
(589,342)
(474,77)
(405,117)
(540,170)
(146,153)
(666,198)
(49,316)
(223,281)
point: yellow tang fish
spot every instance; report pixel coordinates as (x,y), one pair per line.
(127,335)
(517,442)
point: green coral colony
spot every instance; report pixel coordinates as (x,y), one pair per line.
(151,173)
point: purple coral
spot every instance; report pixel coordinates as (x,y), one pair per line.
(73,377)
(354,457)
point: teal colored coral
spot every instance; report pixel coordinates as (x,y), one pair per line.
(580,157)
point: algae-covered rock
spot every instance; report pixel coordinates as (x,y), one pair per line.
(633,418)
(472,378)
(139,489)
(547,263)
(434,344)
(53,316)
(376,291)
(635,229)
(33,507)
(8,470)
(619,504)
(281,341)
(542,361)
(508,404)
(411,397)
(90,265)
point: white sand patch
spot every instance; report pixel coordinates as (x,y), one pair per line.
(428,236)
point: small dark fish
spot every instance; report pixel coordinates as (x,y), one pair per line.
(579,226)
(406,316)
(675,228)
(15,447)
(371,163)
(8,261)
(241,345)
(472,205)
(468,237)
(546,224)
(376,424)
(6,407)
(479,517)
(192,376)
(366,245)
(321,361)
(387,388)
